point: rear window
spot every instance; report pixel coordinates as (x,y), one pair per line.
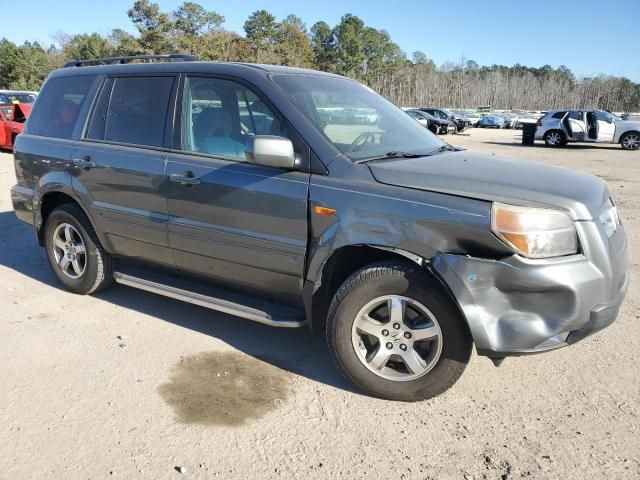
(58,107)
(137,110)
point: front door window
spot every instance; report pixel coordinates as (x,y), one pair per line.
(219,115)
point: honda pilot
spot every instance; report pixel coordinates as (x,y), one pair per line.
(246,190)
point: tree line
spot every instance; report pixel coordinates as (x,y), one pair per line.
(349,48)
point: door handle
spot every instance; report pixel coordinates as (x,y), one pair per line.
(186,179)
(84,162)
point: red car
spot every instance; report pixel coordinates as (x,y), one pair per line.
(12,118)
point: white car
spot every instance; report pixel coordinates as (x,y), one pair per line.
(558,127)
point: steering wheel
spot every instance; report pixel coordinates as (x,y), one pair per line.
(362,140)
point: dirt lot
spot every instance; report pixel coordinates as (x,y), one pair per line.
(130,384)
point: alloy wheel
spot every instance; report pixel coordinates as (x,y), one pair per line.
(631,142)
(69,251)
(397,338)
(554,138)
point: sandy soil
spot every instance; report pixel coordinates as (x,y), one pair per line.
(128,384)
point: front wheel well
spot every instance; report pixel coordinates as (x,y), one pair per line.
(628,132)
(48,204)
(341,265)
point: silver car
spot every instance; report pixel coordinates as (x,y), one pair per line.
(558,127)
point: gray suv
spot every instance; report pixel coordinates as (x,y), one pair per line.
(259,192)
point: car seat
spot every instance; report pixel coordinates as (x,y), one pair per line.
(212,134)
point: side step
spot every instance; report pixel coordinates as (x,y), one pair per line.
(220,300)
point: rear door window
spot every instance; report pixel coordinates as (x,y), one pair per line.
(137,111)
(95,129)
(575,115)
(559,115)
(57,110)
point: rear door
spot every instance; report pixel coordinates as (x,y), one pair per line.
(606,126)
(230,220)
(577,125)
(120,164)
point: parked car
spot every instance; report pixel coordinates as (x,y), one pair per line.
(524,120)
(405,250)
(511,119)
(436,125)
(559,127)
(444,114)
(492,121)
(17,96)
(471,116)
(12,118)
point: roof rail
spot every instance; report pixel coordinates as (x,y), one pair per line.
(174,57)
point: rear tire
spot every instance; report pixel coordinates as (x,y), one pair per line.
(555,138)
(434,129)
(630,141)
(75,254)
(384,363)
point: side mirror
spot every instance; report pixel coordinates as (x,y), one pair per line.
(270,151)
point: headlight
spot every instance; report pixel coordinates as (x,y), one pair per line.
(534,232)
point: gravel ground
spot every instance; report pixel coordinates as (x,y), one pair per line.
(130,384)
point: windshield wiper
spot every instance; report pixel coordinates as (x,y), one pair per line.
(392,155)
(446,148)
(396,154)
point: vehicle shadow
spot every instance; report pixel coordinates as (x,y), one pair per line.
(293,350)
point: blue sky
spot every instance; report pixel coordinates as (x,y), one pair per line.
(589,36)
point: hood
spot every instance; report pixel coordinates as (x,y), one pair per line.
(492,178)
(629,124)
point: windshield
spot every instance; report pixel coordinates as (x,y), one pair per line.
(358,121)
(610,116)
(21,97)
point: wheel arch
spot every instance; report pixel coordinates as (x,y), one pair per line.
(48,201)
(345,261)
(627,132)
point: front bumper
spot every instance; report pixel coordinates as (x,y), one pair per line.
(518,306)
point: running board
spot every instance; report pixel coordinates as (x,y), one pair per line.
(262,311)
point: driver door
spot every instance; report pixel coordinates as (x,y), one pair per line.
(606,127)
(231,220)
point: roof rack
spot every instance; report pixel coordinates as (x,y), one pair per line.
(174,57)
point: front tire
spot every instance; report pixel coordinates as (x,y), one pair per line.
(630,141)
(395,334)
(74,252)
